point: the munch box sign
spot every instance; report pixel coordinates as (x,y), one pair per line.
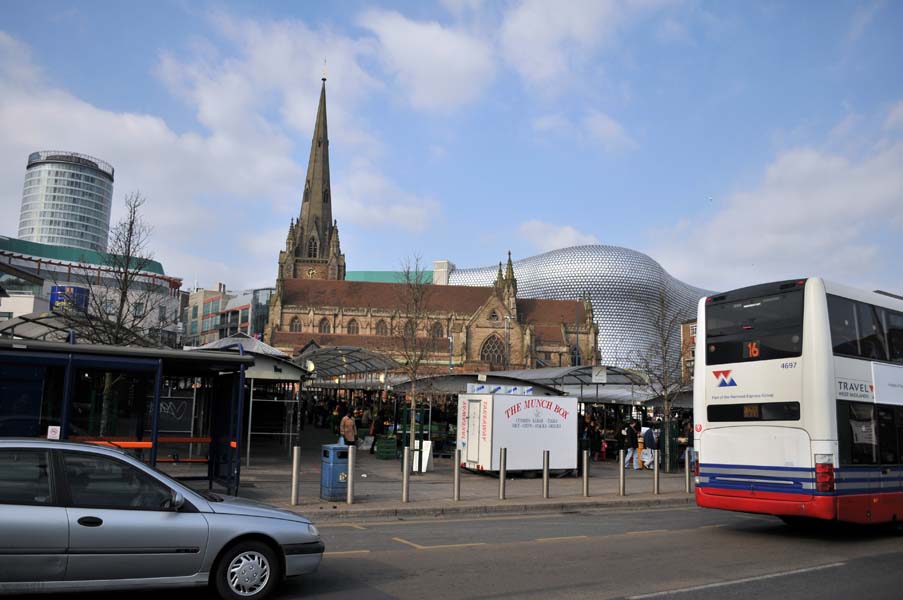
(852,389)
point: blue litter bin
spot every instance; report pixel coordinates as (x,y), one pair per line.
(334,472)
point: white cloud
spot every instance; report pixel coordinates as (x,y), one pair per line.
(607,132)
(862,18)
(238,178)
(813,213)
(544,41)
(555,123)
(548,236)
(595,128)
(439,68)
(895,117)
(370,199)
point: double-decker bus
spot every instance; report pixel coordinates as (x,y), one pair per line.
(798,402)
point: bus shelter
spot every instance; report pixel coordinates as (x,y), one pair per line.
(272,418)
(113,395)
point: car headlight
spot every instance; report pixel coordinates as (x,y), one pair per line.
(313,530)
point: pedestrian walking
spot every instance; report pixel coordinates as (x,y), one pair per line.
(348,429)
(377,428)
(650,445)
(633,443)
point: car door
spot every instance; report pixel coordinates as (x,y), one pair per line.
(119,523)
(34,529)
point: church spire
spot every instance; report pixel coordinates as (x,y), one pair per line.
(509,274)
(316,204)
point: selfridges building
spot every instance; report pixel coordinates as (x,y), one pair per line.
(626,289)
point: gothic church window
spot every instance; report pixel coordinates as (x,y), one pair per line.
(312,248)
(494,316)
(382,328)
(436,330)
(323,327)
(408,329)
(352,327)
(295,325)
(493,351)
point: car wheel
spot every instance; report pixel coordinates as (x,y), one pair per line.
(247,570)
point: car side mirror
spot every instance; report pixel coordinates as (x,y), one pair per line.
(177,501)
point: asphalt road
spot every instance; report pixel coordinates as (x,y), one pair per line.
(679,553)
(673,553)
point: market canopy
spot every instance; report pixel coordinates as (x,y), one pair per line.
(247,343)
(608,385)
(334,361)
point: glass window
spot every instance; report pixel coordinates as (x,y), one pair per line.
(894,328)
(295,324)
(436,330)
(767,411)
(382,328)
(103,482)
(888,452)
(244,316)
(857,433)
(758,328)
(194,311)
(493,351)
(24,477)
(842,317)
(353,328)
(871,333)
(323,327)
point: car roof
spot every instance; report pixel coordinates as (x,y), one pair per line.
(23,442)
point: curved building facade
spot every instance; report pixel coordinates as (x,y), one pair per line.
(66,200)
(623,285)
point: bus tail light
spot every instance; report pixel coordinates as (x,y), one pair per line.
(824,473)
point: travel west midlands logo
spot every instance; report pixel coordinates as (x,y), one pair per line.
(724,379)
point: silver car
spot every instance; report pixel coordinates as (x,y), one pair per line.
(79,517)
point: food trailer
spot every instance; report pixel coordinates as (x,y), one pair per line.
(511,417)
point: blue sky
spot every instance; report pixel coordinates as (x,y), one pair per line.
(734,142)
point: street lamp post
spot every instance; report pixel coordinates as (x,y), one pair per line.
(451,347)
(507,342)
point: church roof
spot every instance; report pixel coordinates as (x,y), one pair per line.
(460,299)
(550,311)
(367,294)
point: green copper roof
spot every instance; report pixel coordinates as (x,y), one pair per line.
(382,276)
(64,253)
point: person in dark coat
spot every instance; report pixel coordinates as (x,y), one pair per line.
(651,445)
(633,442)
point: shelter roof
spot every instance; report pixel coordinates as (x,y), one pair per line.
(174,361)
(248,344)
(344,360)
(558,376)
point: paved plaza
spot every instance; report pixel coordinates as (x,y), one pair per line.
(378,487)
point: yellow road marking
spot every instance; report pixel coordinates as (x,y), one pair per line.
(419,547)
(351,525)
(563,538)
(346,552)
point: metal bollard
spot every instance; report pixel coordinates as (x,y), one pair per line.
(586,473)
(503,471)
(688,467)
(351,454)
(622,481)
(406,474)
(545,473)
(655,472)
(457,475)
(296,468)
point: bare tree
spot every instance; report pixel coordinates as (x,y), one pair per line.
(124,306)
(412,332)
(659,361)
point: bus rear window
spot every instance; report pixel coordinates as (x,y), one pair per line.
(766,411)
(751,329)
